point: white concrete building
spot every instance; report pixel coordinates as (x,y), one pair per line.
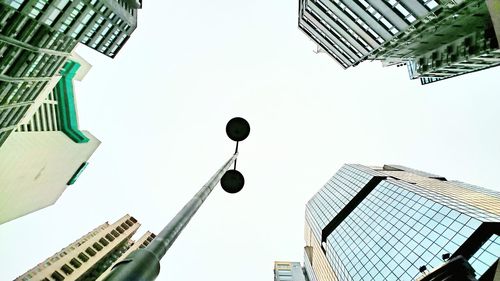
(47,151)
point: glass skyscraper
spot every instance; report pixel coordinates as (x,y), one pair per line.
(384,223)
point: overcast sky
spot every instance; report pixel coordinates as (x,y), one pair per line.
(161,106)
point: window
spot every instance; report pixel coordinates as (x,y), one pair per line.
(75,263)
(120,229)
(103,241)
(67,269)
(115,233)
(83,257)
(57,276)
(90,251)
(125,226)
(109,237)
(97,246)
(130,223)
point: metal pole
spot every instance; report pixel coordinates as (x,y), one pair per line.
(144,264)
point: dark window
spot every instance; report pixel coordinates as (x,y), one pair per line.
(97,246)
(133,219)
(90,251)
(75,263)
(104,241)
(120,229)
(115,233)
(130,223)
(57,276)
(124,225)
(67,269)
(150,238)
(110,237)
(83,257)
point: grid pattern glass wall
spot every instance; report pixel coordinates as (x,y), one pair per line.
(393,232)
(408,220)
(337,192)
(487,255)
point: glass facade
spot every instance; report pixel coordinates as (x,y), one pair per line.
(395,229)
(488,254)
(350,179)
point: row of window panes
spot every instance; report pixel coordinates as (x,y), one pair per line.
(344,25)
(355,232)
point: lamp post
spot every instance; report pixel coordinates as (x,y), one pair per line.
(144,264)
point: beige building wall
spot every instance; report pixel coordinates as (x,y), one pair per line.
(35,168)
(317,259)
(80,256)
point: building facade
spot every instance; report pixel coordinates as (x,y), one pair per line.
(38,36)
(435,39)
(92,256)
(385,223)
(103,25)
(289,271)
(42,149)
(47,152)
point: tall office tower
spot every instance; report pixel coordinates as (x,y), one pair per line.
(91,257)
(37,37)
(435,39)
(288,271)
(385,223)
(47,153)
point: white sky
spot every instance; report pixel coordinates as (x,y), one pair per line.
(160,109)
